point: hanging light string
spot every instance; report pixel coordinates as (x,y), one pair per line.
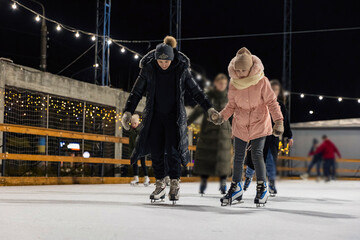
(321,97)
(94,36)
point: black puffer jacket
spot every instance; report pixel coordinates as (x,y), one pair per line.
(145,86)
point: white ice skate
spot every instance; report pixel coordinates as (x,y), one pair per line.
(235,193)
(146,181)
(174,192)
(262,194)
(159,192)
(135,181)
(167,181)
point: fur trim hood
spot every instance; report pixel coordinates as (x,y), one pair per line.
(257,67)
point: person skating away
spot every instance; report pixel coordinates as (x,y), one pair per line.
(164,77)
(316,160)
(133,133)
(213,148)
(328,150)
(250,101)
(271,147)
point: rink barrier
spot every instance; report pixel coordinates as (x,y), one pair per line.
(13,128)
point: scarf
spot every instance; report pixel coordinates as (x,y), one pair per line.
(246,82)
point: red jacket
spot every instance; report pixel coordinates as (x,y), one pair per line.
(327,150)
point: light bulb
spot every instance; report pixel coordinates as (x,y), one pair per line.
(109,41)
(14,6)
(321,97)
(37,18)
(122,50)
(58,27)
(198,77)
(339,99)
(302,95)
(311,112)
(359,100)
(136,56)
(93,38)
(77,34)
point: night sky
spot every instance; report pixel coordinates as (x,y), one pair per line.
(322,63)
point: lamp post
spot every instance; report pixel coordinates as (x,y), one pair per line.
(43,43)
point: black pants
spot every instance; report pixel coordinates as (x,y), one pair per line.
(143,166)
(329,168)
(271,144)
(163,137)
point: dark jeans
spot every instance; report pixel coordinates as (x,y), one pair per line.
(315,160)
(163,137)
(329,168)
(143,166)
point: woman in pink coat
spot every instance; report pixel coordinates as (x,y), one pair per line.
(250,101)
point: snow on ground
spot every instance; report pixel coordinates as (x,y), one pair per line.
(302,210)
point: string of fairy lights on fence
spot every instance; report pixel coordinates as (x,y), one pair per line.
(93,36)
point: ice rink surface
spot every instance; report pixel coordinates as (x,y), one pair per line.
(302,210)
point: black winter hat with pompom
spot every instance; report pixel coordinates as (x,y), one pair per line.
(165,50)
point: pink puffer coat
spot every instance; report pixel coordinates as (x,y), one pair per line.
(251,106)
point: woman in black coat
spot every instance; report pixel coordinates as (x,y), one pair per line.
(164,77)
(271,147)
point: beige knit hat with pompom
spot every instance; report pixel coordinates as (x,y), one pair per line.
(243,59)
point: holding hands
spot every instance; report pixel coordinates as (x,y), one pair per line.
(215,117)
(126,120)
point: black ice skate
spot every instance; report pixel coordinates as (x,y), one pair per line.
(203,185)
(247,183)
(272,188)
(159,192)
(174,192)
(223,186)
(261,194)
(235,193)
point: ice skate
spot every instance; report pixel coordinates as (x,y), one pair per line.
(167,181)
(146,181)
(159,192)
(223,186)
(135,181)
(261,194)
(304,176)
(247,183)
(174,192)
(272,188)
(235,193)
(203,185)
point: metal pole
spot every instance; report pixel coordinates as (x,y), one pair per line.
(43,43)
(83,141)
(47,137)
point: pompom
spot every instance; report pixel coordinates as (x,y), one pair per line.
(171,41)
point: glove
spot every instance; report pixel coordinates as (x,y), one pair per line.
(125,121)
(278,128)
(215,117)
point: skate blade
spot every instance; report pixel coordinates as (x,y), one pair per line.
(272,195)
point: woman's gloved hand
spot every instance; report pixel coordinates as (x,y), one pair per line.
(215,117)
(125,121)
(278,128)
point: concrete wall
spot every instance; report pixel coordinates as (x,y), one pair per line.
(27,78)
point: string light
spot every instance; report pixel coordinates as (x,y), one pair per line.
(77,34)
(359,100)
(93,38)
(14,6)
(122,50)
(136,56)
(321,97)
(340,99)
(58,28)
(109,41)
(198,77)
(37,18)
(311,112)
(302,95)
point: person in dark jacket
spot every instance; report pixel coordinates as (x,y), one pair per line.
(213,149)
(316,159)
(271,146)
(164,77)
(133,133)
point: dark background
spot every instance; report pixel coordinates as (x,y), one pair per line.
(322,63)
